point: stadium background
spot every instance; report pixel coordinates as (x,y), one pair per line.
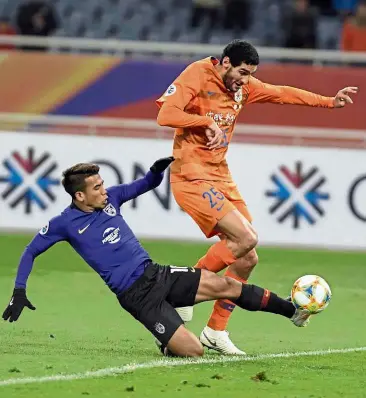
(87,92)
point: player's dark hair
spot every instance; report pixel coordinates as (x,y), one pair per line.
(74,177)
(240,51)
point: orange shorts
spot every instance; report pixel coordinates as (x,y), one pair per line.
(207,202)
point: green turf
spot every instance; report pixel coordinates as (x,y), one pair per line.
(79,326)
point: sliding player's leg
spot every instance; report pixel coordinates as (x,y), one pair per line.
(248,297)
(152,300)
(206,286)
(183,343)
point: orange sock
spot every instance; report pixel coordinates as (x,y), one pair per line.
(218,257)
(223,308)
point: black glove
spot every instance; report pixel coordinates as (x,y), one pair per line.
(17,303)
(161,164)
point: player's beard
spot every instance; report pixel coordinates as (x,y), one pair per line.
(230,82)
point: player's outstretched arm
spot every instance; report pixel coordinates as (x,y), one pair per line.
(51,233)
(151,180)
(262,92)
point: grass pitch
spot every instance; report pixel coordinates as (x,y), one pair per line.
(78,327)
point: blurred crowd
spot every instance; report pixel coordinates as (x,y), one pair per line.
(33,18)
(297,20)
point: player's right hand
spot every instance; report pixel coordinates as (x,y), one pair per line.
(17,303)
(343,97)
(214,135)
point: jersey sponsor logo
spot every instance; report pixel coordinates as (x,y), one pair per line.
(44,229)
(222,119)
(111,235)
(171,90)
(81,231)
(110,210)
(160,328)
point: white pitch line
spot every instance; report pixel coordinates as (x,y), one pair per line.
(162,363)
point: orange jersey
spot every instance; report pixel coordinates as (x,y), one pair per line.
(197,98)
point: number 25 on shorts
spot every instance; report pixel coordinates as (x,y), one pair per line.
(215,198)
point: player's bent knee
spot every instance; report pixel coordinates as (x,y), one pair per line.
(185,344)
(228,287)
(230,283)
(192,349)
(196,351)
(248,242)
(252,258)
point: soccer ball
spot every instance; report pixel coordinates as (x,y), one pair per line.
(311,292)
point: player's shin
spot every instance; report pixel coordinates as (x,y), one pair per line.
(255,298)
(223,308)
(216,259)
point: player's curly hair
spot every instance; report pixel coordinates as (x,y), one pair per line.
(74,177)
(240,51)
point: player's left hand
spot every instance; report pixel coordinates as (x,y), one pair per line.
(17,303)
(215,136)
(161,164)
(342,98)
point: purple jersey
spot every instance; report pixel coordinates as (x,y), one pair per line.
(102,237)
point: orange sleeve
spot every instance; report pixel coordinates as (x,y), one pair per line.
(263,92)
(173,102)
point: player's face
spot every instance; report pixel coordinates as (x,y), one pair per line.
(236,77)
(95,195)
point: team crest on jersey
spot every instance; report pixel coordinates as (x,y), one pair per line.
(238,95)
(110,210)
(44,229)
(160,328)
(171,90)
